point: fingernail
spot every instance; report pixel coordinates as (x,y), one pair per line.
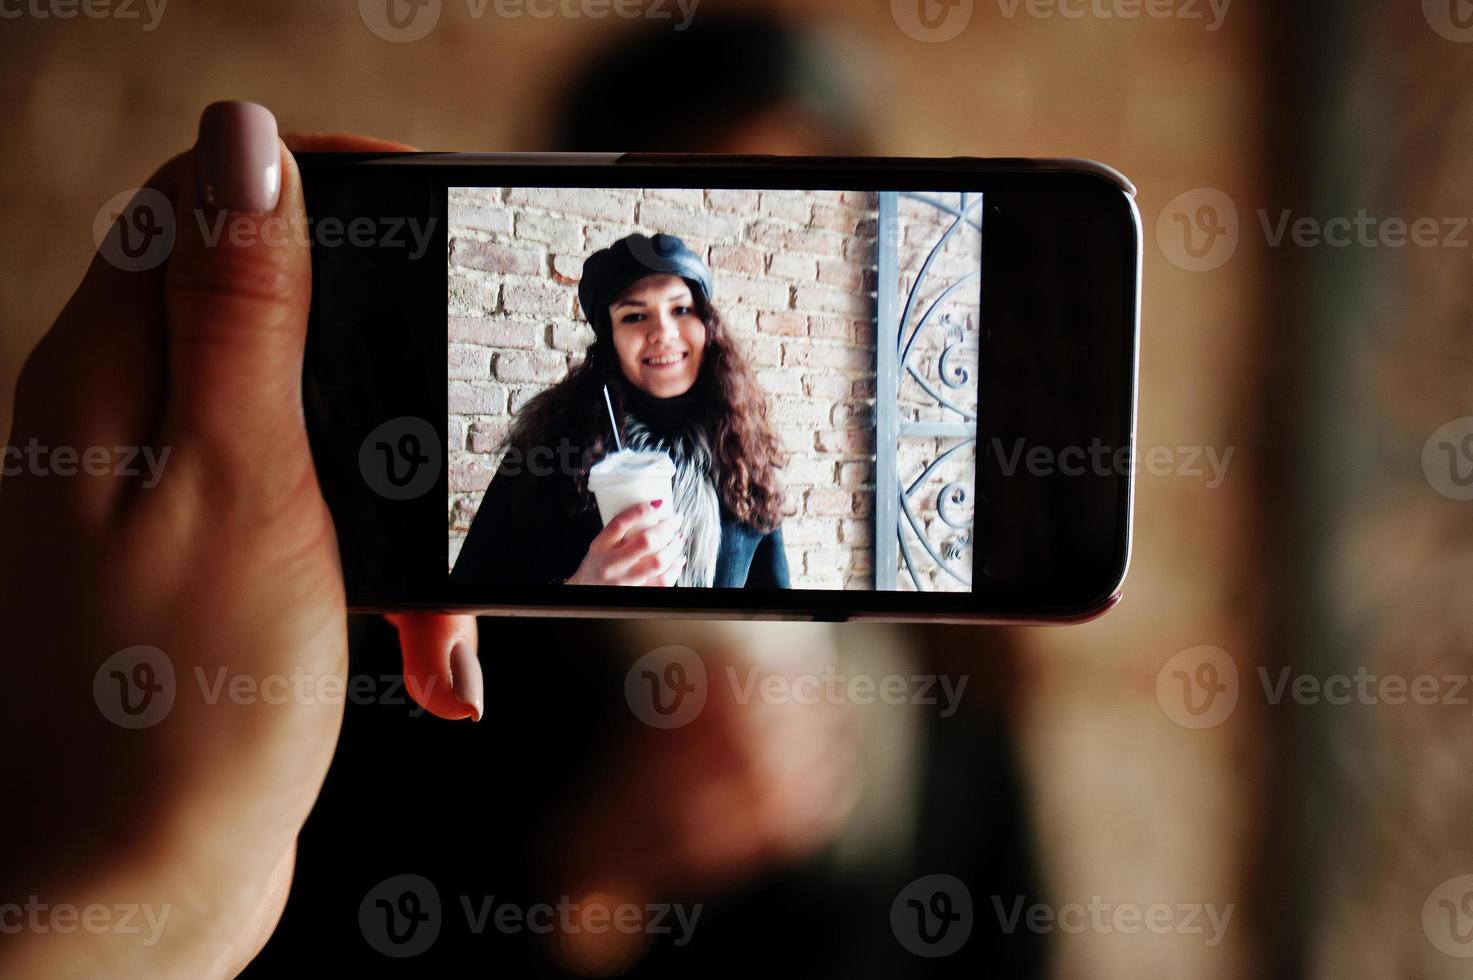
(237,159)
(465,679)
(656,503)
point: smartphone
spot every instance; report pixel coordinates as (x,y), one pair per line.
(717,386)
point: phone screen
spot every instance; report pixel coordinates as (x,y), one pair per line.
(814,388)
(792,374)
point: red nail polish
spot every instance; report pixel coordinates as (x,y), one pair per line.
(656,504)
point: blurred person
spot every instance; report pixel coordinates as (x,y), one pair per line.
(757,83)
(798,820)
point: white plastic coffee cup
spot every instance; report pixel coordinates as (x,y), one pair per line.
(622,479)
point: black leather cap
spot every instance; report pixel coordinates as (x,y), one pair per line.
(609,271)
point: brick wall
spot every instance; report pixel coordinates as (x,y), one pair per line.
(794,281)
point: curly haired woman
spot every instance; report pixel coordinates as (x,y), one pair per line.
(678,385)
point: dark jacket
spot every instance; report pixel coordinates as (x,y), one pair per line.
(530,531)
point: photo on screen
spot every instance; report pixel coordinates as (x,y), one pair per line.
(790,374)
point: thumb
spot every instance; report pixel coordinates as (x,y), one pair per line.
(236,299)
(440,666)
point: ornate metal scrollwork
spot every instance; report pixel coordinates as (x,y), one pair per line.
(900,530)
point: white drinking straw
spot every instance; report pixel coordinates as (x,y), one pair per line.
(610,403)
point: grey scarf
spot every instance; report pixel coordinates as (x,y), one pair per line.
(695,495)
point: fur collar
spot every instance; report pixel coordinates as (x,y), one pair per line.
(695,493)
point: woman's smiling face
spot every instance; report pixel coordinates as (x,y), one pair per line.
(658,336)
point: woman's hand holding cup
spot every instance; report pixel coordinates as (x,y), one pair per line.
(642,545)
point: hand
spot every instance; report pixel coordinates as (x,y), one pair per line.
(643,545)
(222,559)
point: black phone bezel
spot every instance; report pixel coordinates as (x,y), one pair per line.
(1061,240)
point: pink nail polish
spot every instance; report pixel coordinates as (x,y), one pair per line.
(465,679)
(237,158)
(656,504)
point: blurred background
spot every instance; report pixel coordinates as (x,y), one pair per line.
(1082,775)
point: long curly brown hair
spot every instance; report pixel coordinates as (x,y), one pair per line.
(730,407)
